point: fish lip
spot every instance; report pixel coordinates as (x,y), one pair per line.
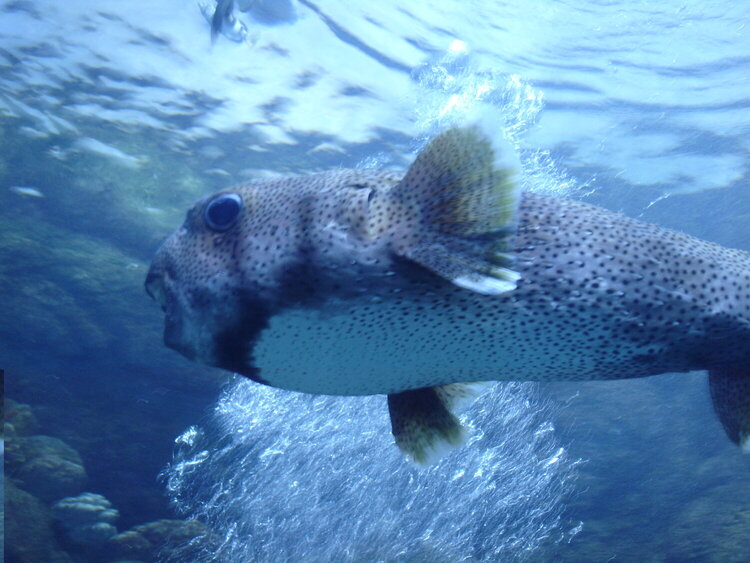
(154,286)
(172,334)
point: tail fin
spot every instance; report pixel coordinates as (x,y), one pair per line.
(730,393)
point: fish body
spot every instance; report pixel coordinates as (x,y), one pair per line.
(358,282)
(600,296)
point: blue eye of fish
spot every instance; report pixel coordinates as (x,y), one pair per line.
(222,212)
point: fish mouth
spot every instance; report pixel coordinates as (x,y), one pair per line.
(154,285)
(174,330)
(216,333)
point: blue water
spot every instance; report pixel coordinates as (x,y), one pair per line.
(115,116)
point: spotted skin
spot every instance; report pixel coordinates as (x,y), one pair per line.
(601,296)
(320,287)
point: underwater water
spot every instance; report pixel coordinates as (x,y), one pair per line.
(318,478)
(116,116)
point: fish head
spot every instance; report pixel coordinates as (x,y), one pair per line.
(324,242)
(245,253)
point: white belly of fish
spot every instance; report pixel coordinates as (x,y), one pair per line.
(374,348)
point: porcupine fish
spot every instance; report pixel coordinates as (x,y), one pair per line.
(419,285)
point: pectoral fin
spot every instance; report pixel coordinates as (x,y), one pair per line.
(422,421)
(730,392)
(455,209)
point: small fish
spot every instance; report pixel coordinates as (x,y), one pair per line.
(417,285)
(95,146)
(217,172)
(27,191)
(32,133)
(223,21)
(57,152)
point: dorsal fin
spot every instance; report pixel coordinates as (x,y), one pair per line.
(454,210)
(459,186)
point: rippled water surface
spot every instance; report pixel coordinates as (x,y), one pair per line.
(115,116)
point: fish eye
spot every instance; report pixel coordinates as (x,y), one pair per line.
(222,212)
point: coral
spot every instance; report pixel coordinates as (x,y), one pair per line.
(131,544)
(47,467)
(145,541)
(28,530)
(19,419)
(87,518)
(12,451)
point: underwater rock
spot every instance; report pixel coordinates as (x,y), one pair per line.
(67,290)
(29,537)
(19,419)
(48,468)
(730,528)
(13,456)
(130,544)
(87,518)
(145,541)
